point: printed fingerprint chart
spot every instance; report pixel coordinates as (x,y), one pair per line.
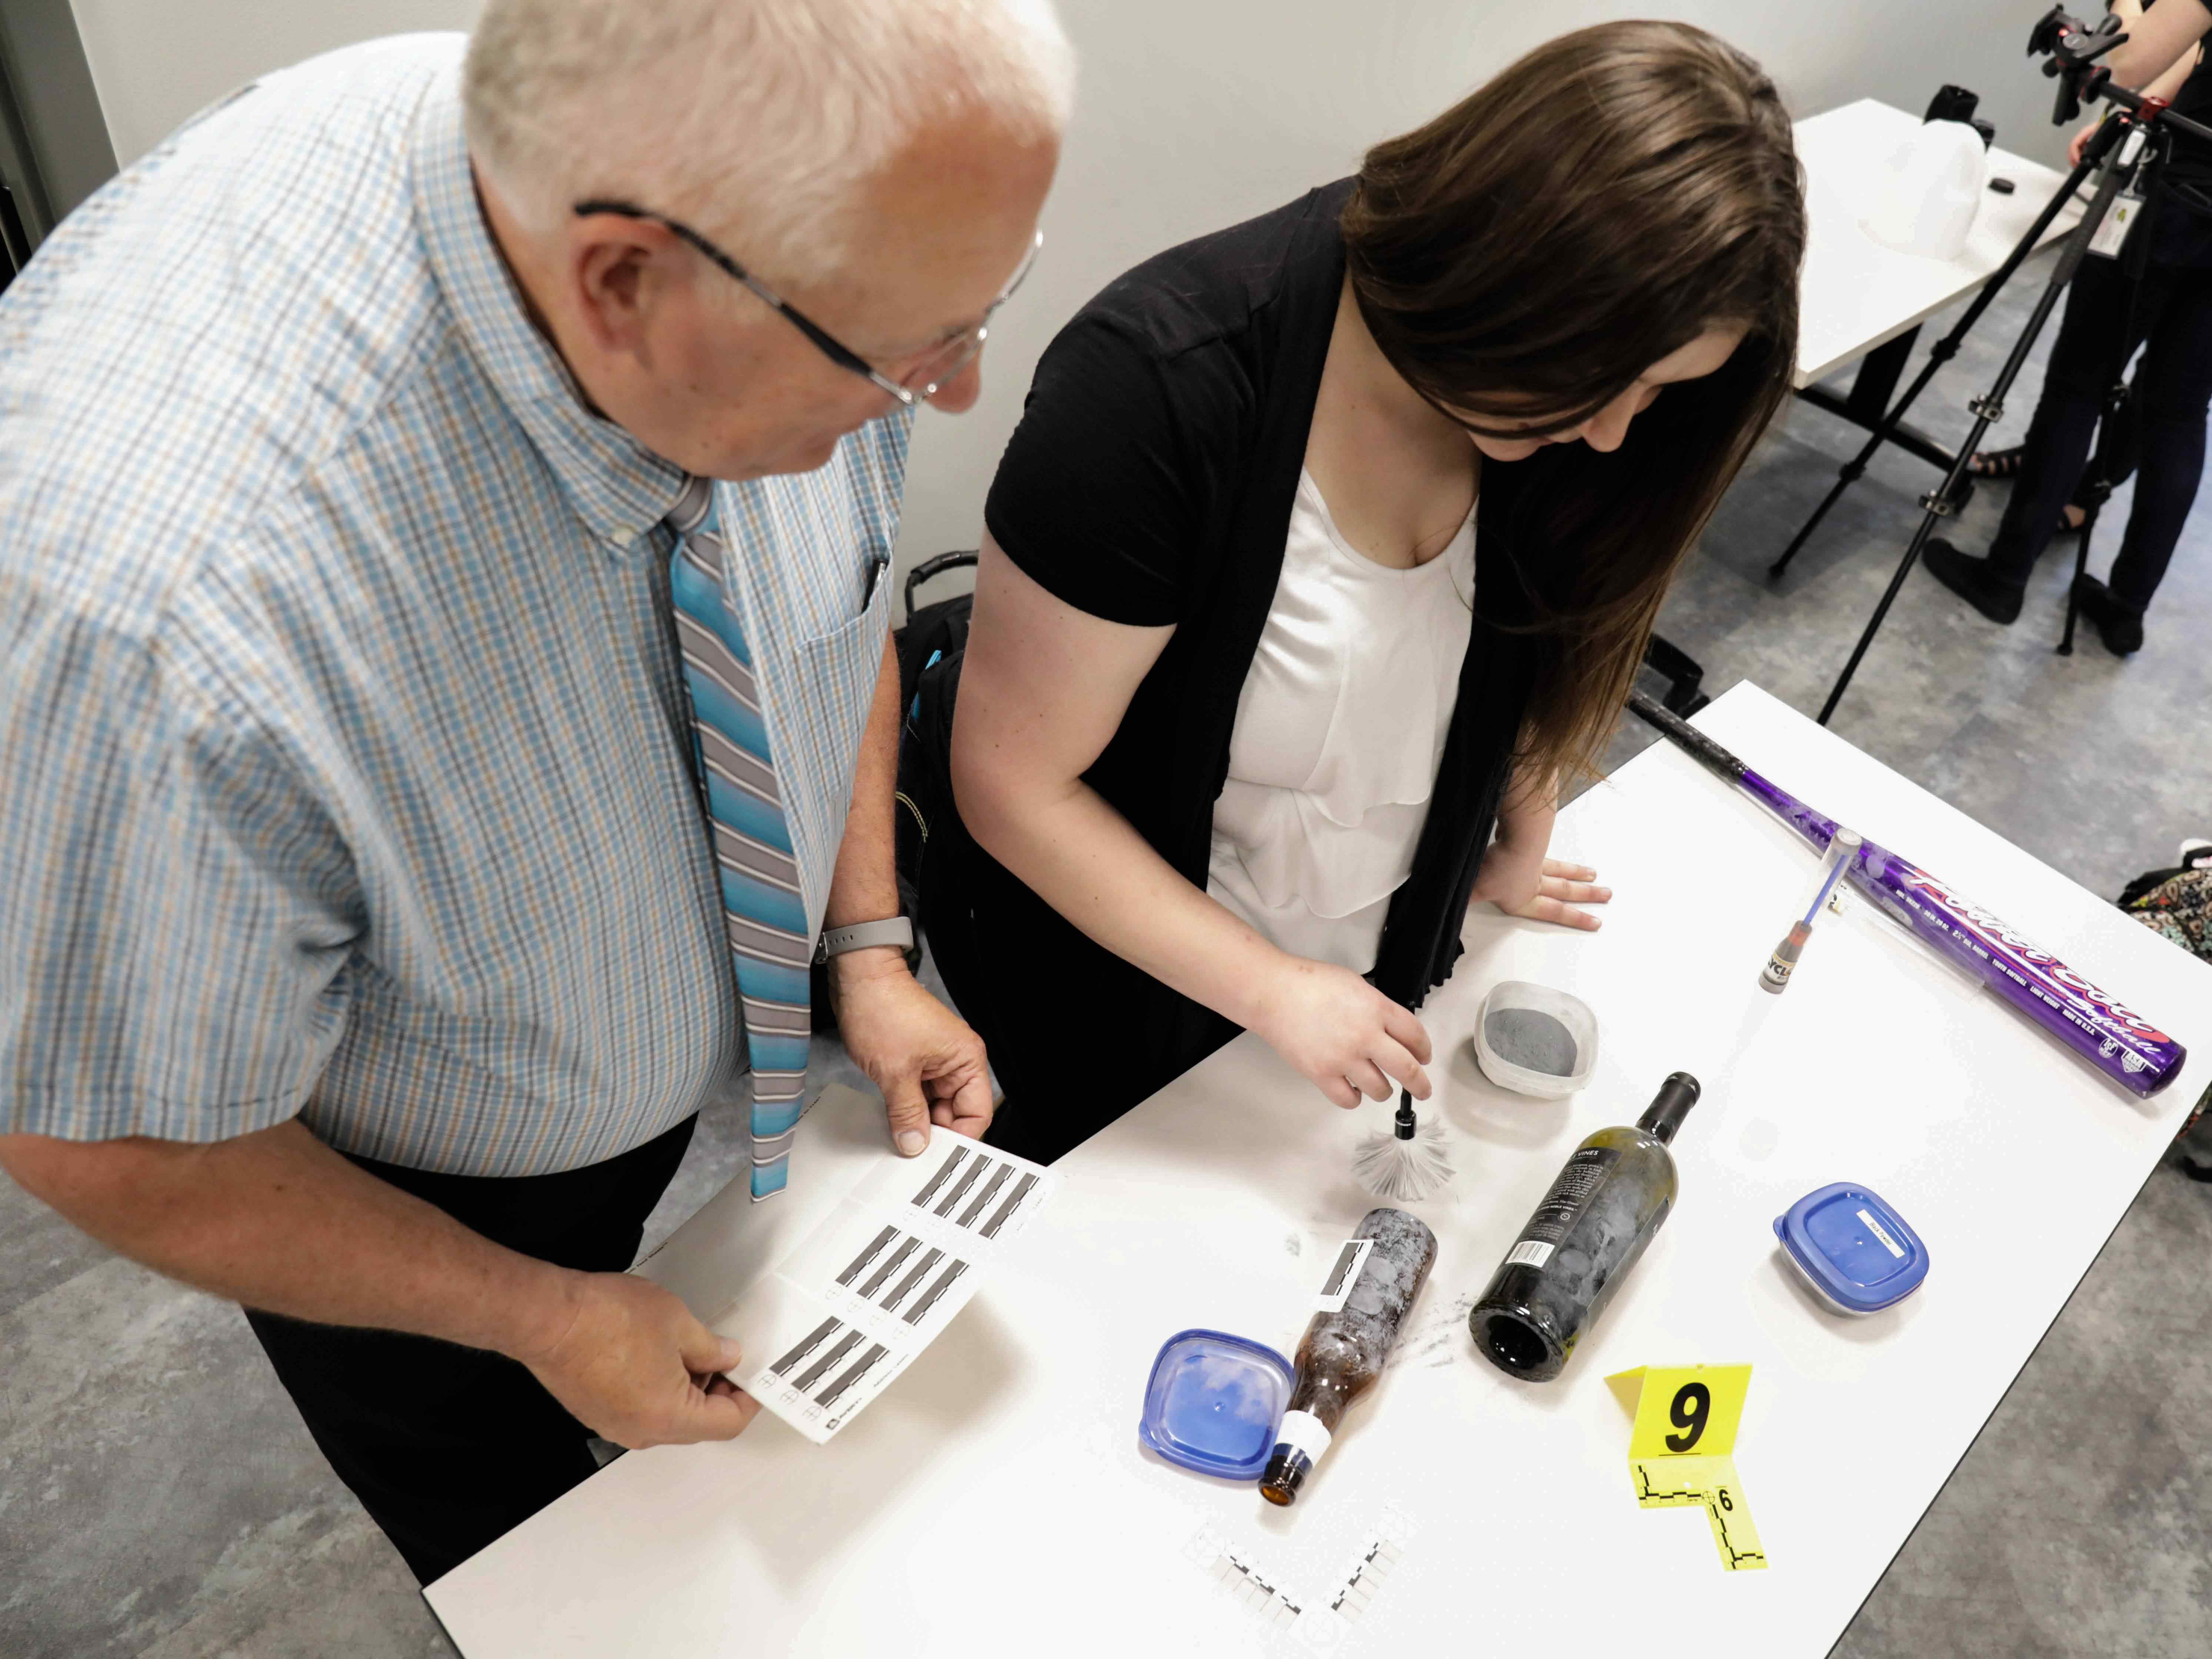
(843,1313)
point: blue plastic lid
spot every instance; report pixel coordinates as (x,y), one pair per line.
(1858,1252)
(1213,1403)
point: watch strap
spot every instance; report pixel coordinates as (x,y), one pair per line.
(865,935)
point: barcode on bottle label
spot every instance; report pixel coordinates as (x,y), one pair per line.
(1529,1253)
(1343,1274)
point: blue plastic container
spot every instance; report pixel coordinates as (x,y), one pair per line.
(1858,1254)
(1213,1403)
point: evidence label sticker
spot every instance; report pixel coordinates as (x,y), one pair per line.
(1343,1274)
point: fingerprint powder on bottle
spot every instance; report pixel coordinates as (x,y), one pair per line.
(1532,1040)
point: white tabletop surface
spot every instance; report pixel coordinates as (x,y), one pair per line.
(994,1500)
(1857,293)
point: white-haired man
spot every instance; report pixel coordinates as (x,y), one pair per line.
(420,789)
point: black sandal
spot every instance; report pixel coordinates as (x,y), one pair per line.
(1996,463)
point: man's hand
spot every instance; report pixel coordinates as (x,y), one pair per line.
(278,1220)
(925,1059)
(631,1363)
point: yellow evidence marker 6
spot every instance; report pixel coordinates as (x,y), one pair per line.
(1682,1450)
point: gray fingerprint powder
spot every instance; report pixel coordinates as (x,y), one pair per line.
(1532,1040)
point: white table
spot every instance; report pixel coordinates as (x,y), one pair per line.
(1860,298)
(994,1500)
(1856,294)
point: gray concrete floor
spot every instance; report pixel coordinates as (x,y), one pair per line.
(158,1496)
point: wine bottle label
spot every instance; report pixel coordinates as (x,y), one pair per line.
(1343,1274)
(1303,1431)
(1585,1173)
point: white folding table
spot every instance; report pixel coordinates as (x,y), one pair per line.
(995,1500)
(1857,296)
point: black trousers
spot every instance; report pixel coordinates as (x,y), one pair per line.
(2173,324)
(449,1447)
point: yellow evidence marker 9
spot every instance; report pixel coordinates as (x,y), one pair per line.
(1682,1448)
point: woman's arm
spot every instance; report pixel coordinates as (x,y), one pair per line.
(1517,877)
(2169,82)
(1042,690)
(2165,85)
(2157,39)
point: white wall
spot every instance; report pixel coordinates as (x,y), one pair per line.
(1193,114)
(154,62)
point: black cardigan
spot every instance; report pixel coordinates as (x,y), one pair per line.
(1227,335)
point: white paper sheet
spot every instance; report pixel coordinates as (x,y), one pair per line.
(847,1309)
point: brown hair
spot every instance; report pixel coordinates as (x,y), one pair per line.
(1525,257)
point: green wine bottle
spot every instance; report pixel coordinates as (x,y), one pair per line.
(1588,1231)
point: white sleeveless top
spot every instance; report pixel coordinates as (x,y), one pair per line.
(1339,729)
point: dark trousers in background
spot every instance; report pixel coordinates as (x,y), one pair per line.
(2173,324)
(449,1447)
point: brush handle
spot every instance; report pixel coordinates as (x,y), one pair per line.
(2110,1036)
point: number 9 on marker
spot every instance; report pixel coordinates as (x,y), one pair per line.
(1686,1411)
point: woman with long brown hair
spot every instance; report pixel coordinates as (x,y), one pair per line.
(1326,544)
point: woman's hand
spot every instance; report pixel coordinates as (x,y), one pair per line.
(2080,141)
(1523,882)
(1341,1032)
(1515,875)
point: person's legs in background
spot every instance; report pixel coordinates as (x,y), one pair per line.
(2084,361)
(2174,385)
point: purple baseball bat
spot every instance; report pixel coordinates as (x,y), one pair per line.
(2111,1037)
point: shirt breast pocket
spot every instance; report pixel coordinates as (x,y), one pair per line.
(839,670)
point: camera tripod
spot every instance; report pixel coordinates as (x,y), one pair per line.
(2134,141)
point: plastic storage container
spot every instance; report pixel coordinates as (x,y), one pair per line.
(1930,190)
(1858,1255)
(1540,1025)
(1214,1401)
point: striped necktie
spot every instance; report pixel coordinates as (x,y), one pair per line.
(762,912)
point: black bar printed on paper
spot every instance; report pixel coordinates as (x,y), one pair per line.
(990,1191)
(892,1265)
(936,1181)
(1006,1210)
(867,1255)
(913,1277)
(960,1190)
(820,1368)
(943,1283)
(859,1368)
(814,1340)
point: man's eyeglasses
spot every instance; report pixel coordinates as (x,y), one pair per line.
(938,363)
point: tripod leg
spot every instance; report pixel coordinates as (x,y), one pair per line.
(1845,480)
(1986,410)
(2073,588)
(1940,353)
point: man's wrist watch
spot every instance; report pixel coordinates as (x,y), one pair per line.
(863,936)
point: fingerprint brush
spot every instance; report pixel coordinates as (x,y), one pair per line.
(1409,1163)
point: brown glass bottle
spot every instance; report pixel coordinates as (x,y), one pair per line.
(1346,1346)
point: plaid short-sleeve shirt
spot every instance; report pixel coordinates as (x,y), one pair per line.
(344,769)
